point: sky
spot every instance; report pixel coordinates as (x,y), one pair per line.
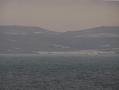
(60,15)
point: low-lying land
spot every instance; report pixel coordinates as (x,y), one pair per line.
(113,52)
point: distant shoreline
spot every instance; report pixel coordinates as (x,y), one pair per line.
(29,55)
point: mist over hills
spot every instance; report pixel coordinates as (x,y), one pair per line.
(22,39)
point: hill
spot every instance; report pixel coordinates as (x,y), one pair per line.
(21,39)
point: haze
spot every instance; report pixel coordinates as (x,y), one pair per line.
(59,15)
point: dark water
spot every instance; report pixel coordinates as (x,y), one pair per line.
(59,73)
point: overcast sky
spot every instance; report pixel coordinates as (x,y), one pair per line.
(59,15)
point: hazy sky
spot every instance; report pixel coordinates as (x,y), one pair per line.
(60,15)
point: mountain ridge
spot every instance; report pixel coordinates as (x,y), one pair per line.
(35,39)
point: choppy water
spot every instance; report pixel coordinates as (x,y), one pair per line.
(59,73)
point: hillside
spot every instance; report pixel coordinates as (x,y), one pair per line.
(94,38)
(21,39)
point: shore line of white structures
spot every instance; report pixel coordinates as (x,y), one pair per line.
(82,52)
(65,53)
